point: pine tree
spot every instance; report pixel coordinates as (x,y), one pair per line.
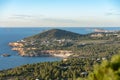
(108,70)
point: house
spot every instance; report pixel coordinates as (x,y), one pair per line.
(84,74)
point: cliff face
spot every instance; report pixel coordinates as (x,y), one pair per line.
(20,51)
(16,44)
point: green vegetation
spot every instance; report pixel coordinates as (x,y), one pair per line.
(93,44)
(63,70)
(56,34)
(88,50)
(108,70)
(72,69)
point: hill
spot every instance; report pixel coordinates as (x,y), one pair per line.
(53,42)
(55,34)
(64,43)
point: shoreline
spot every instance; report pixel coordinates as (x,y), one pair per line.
(19,47)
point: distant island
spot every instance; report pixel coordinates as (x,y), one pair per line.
(62,43)
(5,55)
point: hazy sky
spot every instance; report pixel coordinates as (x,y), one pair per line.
(57,13)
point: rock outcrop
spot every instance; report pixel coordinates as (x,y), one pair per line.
(6,55)
(16,44)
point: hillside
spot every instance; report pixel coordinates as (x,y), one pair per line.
(53,42)
(70,69)
(55,34)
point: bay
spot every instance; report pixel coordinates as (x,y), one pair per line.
(14,34)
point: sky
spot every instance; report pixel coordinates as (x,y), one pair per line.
(59,13)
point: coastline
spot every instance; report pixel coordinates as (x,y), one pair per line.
(19,47)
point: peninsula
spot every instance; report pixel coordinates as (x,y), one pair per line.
(49,43)
(62,43)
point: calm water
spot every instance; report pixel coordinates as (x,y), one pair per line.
(14,34)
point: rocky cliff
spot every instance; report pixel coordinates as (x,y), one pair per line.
(17,46)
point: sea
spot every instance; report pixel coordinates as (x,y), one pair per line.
(13,34)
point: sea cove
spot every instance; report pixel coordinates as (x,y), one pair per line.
(8,35)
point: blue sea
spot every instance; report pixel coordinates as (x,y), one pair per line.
(14,34)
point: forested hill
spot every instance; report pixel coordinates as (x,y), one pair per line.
(59,34)
(71,69)
(56,34)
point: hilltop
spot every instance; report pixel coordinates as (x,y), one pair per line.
(55,34)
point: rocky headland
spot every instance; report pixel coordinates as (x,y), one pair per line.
(48,45)
(22,51)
